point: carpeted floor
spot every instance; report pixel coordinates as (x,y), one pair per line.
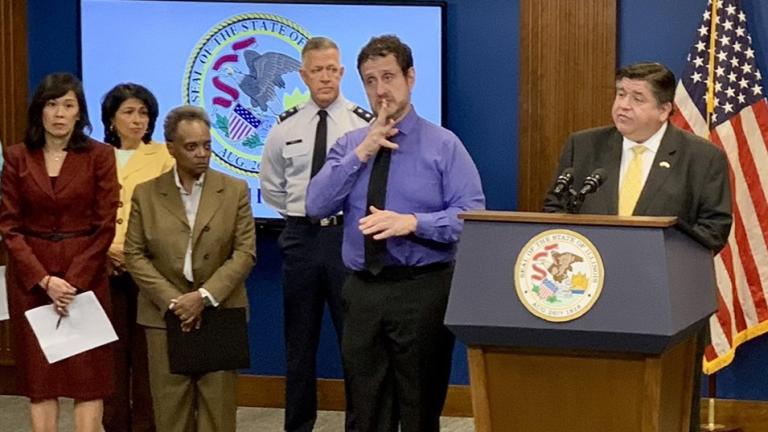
(14,417)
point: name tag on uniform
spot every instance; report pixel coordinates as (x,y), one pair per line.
(296,141)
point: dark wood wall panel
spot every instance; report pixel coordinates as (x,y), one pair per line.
(13,102)
(567,66)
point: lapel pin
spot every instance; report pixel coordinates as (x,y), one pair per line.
(664,164)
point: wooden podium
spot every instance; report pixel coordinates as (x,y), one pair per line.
(627,364)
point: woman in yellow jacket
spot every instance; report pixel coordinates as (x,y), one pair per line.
(129,112)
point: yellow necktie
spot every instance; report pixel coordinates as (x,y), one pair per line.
(633,182)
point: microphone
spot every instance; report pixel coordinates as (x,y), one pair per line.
(592,182)
(563,181)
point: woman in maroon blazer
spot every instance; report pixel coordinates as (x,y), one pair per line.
(57,219)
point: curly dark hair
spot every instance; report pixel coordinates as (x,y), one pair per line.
(112,101)
(382,46)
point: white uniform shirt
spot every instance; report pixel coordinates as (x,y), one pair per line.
(287,159)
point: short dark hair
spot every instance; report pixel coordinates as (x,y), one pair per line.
(54,86)
(661,79)
(180,114)
(382,46)
(112,101)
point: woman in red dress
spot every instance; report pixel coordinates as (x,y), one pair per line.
(57,218)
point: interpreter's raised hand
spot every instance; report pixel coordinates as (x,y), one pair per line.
(384,224)
(60,292)
(378,135)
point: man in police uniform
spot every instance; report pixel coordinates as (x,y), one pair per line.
(313,272)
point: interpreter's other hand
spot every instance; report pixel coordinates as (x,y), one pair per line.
(384,224)
(188,306)
(378,134)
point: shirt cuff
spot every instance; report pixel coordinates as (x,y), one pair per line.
(204,292)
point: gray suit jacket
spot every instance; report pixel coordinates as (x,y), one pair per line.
(223,243)
(688,179)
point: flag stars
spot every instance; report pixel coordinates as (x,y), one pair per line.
(718,86)
(750,53)
(728,107)
(720,71)
(742,17)
(725,40)
(740,31)
(742,99)
(757,90)
(746,68)
(703,30)
(701,46)
(722,56)
(696,77)
(732,76)
(730,92)
(728,25)
(731,9)
(743,83)
(698,61)
(737,47)
(734,63)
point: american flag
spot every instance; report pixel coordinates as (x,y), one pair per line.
(242,123)
(738,125)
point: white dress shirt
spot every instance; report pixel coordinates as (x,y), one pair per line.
(652,144)
(191,202)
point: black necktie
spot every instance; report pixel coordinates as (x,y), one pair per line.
(376,250)
(321,139)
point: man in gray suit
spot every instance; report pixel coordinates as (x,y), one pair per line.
(652,168)
(675,174)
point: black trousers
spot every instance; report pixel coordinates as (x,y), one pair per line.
(129,408)
(396,350)
(313,275)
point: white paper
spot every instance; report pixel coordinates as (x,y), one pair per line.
(86,327)
(4,313)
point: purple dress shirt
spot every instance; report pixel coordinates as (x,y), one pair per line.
(431,176)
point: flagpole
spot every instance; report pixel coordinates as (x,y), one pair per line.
(711,74)
(712,392)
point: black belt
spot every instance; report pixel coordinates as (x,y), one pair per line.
(57,236)
(324,222)
(396,273)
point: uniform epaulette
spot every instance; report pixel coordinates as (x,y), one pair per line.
(363,113)
(287,113)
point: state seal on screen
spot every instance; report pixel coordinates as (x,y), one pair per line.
(559,275)
(244,72)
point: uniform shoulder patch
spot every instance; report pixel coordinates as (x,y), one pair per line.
(287,114)
(363,114)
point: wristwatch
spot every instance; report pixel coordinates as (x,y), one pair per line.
(206,300)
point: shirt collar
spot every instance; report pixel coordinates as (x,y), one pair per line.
(408,123)
(334,109)
(652,143)
(198,182)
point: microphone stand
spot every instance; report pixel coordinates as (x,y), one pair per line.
(572,199)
